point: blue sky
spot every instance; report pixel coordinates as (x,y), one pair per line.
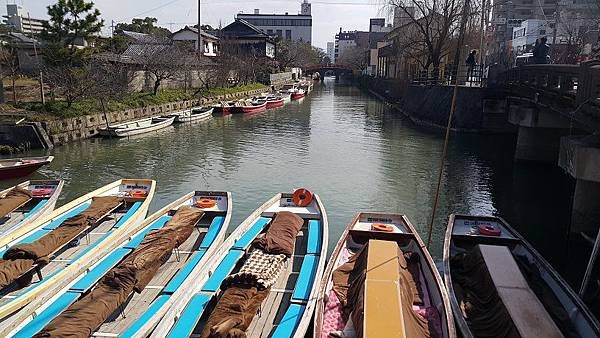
(328,15)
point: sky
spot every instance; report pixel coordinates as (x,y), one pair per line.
(328,15)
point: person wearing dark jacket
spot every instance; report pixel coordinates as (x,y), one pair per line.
(540,52)
(471,64)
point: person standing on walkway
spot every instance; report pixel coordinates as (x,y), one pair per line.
(471,64)
(540,52)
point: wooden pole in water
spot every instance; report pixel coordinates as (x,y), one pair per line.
(590,267)
(461,37)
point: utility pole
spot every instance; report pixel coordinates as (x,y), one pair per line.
(42,96)
(200,45)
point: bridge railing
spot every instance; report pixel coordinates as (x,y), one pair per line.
(448,75)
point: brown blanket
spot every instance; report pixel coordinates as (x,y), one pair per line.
(281,234)
(84,317)
(14,199)
(481,305)
(348,284)
(234,312)
(20,258)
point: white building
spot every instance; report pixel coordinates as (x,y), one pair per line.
(524,36)
(331,51)
(293,27)
(190,34)
(19,19)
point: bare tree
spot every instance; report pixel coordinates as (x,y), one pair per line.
(71,83)
(9,63)
(110,81)
(163,62)
(430,23)
(355,57)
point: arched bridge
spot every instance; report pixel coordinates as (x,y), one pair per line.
(337,69)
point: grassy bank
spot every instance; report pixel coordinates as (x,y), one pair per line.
(59,109)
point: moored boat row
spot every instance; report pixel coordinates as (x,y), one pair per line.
(96,267)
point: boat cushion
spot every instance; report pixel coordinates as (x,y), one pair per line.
(137,239)
(213,232)
(134,208)
(190,316)
(525,309)
(184,272)
(289,322)
(99,270)
(42,319)
(306,278)
(315,237)
(256,228)
(223,269)
(59,220)
(152,309)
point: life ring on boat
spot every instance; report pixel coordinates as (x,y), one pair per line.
(41,192)
(382,227)
(302,197)
(488,230)
(205,203)
(138,193)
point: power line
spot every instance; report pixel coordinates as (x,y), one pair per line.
(149,10)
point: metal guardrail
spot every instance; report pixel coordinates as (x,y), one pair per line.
(448,75)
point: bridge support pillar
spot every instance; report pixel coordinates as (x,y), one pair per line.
(539,132)
(580,157)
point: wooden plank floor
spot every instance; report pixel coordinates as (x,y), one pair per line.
(138,303)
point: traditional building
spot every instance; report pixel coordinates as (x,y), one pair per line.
(292,27)
(248,38)
(190,35)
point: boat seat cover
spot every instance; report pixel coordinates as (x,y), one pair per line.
(132,210)
(289,322)
(14,199)
(99,270)
(190,316)
(182,274)
(152,309)
(213,231)
(306,278)
(223,269)
(137,239)
(256,228)
(58,221)
(42,319)
(315,237)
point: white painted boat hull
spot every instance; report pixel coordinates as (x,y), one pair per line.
(137,127)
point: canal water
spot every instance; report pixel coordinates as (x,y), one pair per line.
(350,149)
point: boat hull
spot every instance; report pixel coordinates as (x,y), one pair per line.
(191,116)
(23,169)
(298,96)
(275,103)
(126,132)
(250,109)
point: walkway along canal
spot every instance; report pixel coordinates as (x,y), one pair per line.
(353,151)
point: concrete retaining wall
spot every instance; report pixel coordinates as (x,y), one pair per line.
(77,128)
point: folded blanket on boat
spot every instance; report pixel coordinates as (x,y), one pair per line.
(84,317)
(260,270)
(281,234)
(349,286)
(14,199)
(20,258)
(234,312)
(481,305)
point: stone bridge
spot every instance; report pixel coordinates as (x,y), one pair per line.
(337,69)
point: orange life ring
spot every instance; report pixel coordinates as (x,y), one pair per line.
(382,227)
(138,193)
(205,203)
(302,197)
(488,230)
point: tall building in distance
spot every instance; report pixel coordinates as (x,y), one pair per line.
(331,51)
(377,25)
(19,19)
(296,27)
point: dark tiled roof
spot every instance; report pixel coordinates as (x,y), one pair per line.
(143,38)
(195,30)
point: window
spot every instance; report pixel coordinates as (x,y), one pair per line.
(270,31)
(279,33)
(288,34)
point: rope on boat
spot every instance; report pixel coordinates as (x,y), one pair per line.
(461,37)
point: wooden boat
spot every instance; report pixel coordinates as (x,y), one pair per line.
(298,94)
(249,106)
(223,108)
(194,114)
(377,238)
(141,311)
(44,194)
(19,167)
(97,222)
(288,306)
(137,127)
(527,294)
(275,102)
